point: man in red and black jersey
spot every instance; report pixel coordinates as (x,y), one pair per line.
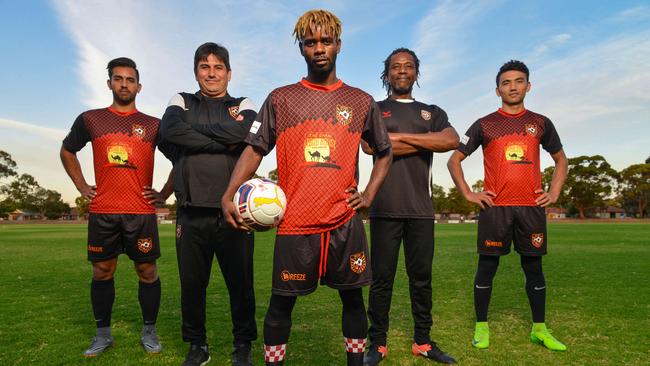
(403,210)
(316,126)
(512,203)
(209,127)
(122,215)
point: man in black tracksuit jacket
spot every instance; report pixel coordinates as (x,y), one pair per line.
(208,128)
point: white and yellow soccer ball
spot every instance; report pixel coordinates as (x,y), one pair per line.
(261,203)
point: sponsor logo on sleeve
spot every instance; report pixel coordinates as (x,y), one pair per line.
(426,115)
(464,140)
(255,126)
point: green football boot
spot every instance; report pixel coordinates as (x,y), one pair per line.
(481,338)
(540,335)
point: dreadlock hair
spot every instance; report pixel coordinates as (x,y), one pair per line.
(384,74)
(122,62)
(513,65)
(314,19)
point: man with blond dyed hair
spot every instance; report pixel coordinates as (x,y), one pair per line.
(316,126)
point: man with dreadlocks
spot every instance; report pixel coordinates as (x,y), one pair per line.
(316,126)
(416,131)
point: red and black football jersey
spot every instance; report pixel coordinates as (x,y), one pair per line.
(511,153)
(316,131)
(123,156)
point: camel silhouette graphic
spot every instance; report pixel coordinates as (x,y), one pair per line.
(315,156)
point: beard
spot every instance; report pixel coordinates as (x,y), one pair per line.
(401,90)
(123,100)
(322,71)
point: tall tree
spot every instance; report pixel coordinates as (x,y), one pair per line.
(50,204)
(478,186)
(634,185)
(439,198)
(458,203)
(22,193)
(7,165)
(82,205)
(589,182)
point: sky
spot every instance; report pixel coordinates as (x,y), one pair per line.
(589,63)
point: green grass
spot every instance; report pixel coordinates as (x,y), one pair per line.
(598,277)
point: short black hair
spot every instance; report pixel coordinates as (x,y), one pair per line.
(122,62)
(211,48)
(513,65)
(384,74)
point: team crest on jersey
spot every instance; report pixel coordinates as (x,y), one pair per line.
(426,115)
(358,262)
(343,114)
(531,130)
(537,240)
(145,245)
(234,113)
(138,131)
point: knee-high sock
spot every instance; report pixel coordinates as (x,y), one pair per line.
(354,323)
(149,297)
(535,286)
(277,327)
(487,268)
(102,296)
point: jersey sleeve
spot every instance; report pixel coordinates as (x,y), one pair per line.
(231,131)
(176,130)
(262,132)
(440,120)
(550,139)
(374,130)
(78,136)
(472,139)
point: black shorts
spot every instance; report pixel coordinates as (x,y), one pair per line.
(498,226)
(110,235)
(338,258)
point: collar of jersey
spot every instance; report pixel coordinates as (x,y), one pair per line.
(200,96)
(122,114)
(326,88)
(402,100)
(506,114)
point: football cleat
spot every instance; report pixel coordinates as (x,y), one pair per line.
(241,356)
(98,345)
(481,338)
(149,341)
(375,354)
(198,355)
(431,351)
(541,335)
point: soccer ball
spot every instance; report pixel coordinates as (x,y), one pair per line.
(261,203)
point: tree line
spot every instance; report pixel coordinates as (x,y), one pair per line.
(22,191)
(591,184)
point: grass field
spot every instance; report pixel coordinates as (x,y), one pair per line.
(598,278)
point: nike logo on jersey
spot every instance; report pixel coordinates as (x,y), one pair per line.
(482,287)
(539,288)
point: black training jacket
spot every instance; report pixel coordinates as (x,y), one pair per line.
(209,135)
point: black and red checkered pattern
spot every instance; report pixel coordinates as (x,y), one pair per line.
(123,157)
(274,353)
(511,153)
(355,345)
(318,133)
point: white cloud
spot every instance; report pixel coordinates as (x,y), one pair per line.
(641,12)
(551,43)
